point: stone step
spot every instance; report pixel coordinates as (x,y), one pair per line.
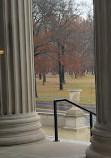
(46,149)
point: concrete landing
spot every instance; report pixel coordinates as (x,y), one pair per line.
(46,149)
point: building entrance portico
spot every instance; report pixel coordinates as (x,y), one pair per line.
(19,122)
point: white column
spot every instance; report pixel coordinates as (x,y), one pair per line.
(101,140)
(19,122)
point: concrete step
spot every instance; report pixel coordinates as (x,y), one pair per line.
(46,149)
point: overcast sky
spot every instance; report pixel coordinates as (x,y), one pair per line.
(88,1)
(88,7)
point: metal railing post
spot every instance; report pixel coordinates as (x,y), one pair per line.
(55,115)
(55,121)
(91,123)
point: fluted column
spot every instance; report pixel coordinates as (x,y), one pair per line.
(101,139)
(19,122)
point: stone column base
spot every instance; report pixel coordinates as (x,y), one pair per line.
(21,128)
(101,144)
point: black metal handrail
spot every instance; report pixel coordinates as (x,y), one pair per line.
(55,115)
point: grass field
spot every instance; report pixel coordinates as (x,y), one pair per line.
(50,90)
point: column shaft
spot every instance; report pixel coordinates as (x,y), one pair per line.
(16,63)
(101,139)
(19,122)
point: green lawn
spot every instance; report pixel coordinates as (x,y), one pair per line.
(51,88)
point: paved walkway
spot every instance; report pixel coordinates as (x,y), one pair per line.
(46,149)
(63,106)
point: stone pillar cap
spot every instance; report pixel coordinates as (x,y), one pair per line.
(74,111)
(74,90)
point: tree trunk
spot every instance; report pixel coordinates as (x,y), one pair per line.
(75,75)
(43,82)
(60,70)
(60,76)
(70,73)
(40,76)
(35,87)
(63,76)
(44,78)
(92,70)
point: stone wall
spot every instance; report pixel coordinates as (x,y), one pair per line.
(68,122)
